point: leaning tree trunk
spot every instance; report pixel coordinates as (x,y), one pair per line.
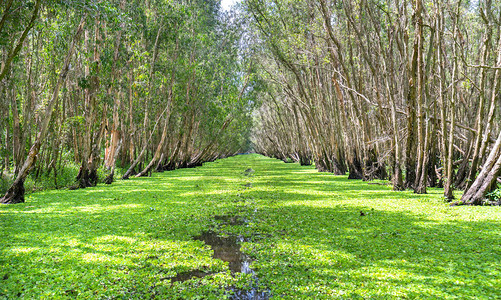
(492,108)
(158,152)
(15,194)
(143,150)
(486,180)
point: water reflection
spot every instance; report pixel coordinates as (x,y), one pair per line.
(227,248)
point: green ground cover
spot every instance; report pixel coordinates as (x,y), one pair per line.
(308,238)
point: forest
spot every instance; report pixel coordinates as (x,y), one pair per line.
(406,91)
(403,90)
(396,99)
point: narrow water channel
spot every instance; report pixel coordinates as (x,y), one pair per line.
(227,249)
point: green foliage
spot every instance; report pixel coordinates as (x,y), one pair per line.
(308,238)
(65,178)
(5,182)
(495,195)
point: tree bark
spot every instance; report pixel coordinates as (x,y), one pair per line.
(419,188)
(487,179)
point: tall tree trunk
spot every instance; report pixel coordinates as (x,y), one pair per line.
(442,89)
(448,189)
(87,175)
(478,147)
(420,188)
(115,92)
(149,97)
(16,131)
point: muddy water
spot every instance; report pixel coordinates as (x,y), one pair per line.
(227,249)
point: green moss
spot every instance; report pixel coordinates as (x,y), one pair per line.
(308,238)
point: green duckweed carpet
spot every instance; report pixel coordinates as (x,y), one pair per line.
(311,236)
